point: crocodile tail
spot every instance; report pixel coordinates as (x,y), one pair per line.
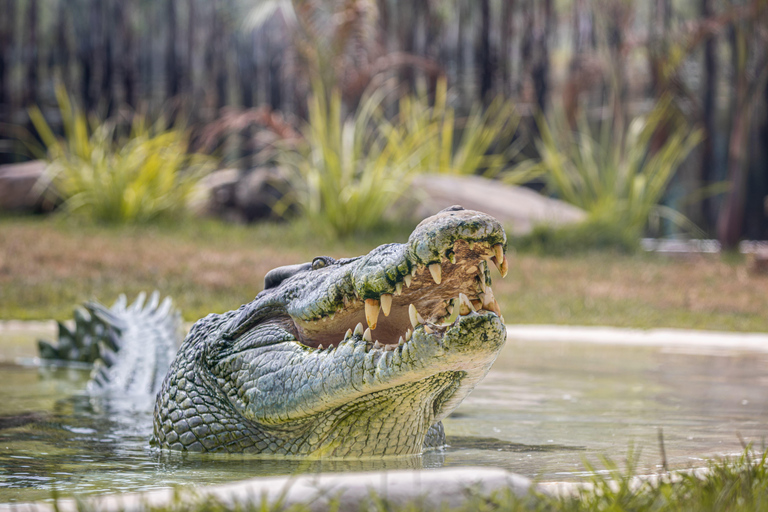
(147,335)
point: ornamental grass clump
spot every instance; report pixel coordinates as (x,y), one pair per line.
(481,142)
(343,174)
(145,176)
(347,172)
(614,172)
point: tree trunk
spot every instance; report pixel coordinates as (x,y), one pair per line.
(128,61)
(106,90)
(540,72)
(31,56)
(729,225)
(7,36)
(171,66)
(709,114)
(505,56)
(485,64)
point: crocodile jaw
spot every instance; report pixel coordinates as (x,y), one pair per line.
(316,367)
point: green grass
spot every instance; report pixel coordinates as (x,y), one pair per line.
(48,265)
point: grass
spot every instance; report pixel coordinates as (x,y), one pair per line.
(48,265)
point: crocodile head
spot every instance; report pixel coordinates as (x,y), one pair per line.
(349,357)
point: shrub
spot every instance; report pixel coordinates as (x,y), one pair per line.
(145,176)
(347,172)
(441,143)
(611,172)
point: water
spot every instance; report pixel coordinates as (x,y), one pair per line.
(544,408)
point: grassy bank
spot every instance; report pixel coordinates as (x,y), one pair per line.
(47,265)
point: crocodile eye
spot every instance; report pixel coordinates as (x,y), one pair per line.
(321,262)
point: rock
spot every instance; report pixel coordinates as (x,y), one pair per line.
(216,196)
(518,208)
(240,196)
(260,193)
(17,187)
(757,262)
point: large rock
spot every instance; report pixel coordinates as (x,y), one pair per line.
(18,192)
(518,208)
(240,196)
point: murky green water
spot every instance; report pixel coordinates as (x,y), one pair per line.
(543,409)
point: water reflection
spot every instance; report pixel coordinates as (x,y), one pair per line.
(542,409)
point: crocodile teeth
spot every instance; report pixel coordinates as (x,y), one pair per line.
(437,272)
(408,335)
(320,347)
(400,341)
(386,303)
(359,329)
(498,251)
(428,329)
(377,344)
(371,312)
(488,297)
(465,305)
(454,310)
(348,334)
(407,278)
(398,288)
(367,336)
(504,267)
(416,318)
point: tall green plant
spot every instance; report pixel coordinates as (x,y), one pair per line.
(344,174)
(611,171)
(482,141)
(347,172)
(97,174)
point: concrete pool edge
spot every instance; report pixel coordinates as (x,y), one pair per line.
(433,488)
(684,339)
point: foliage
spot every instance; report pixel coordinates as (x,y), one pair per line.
(430,132)
(346,173)
(343,174)
(104,177)
(614,173)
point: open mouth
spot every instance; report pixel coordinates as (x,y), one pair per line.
(432,297)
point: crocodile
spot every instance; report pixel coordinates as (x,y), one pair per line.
(353,357)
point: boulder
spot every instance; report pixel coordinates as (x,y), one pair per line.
(243,196)
(18,192)
(518,208)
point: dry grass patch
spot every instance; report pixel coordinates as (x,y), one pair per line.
(48,265)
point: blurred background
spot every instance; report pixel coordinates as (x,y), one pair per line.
(646,114)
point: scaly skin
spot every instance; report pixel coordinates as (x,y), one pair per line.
(295,373)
